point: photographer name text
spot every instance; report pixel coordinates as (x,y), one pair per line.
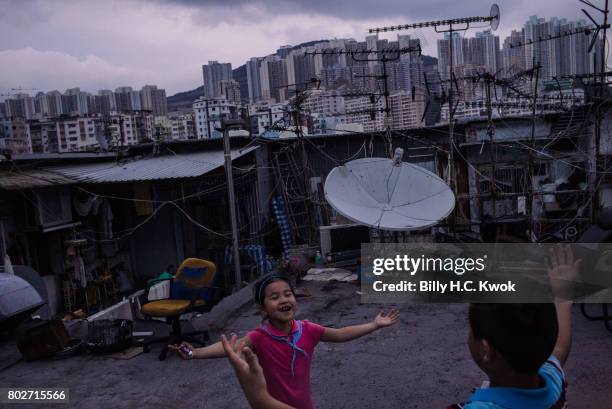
(442,287)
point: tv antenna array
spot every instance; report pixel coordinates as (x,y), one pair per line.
(451,27)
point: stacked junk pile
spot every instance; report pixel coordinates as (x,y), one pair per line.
(24,311)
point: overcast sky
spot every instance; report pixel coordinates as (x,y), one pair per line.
(95,45)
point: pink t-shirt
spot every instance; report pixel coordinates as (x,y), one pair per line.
(275,358)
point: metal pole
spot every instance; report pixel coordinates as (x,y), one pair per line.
(451,114)
(3,246)
(232,203)
(385,77)
(209,135)
(530,168)
(602,61)
(452,181)
(492,156)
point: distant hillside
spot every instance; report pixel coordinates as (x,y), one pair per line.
(427,60)
(307,44)
(184,100)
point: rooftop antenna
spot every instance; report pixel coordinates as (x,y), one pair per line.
(300,90)
(602,72)
(384,56)
(464,23)
(562,34)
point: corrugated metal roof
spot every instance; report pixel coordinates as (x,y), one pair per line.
(183,165)
(63,155)
(31,179)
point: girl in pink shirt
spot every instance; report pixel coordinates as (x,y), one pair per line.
(284,345)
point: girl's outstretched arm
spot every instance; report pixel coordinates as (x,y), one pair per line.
(211,351)
(382,320)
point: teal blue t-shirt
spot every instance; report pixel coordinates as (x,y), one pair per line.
(550,396)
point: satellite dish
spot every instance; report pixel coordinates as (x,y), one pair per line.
(388,194)
(494,14)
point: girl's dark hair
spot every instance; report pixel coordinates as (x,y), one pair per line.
(259,290)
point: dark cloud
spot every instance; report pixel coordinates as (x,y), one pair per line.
(411,10)
(60,44)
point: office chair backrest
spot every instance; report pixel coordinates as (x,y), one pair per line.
(191,276)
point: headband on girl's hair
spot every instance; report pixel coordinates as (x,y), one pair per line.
(264,283)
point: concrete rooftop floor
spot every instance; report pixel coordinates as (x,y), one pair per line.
(422,362)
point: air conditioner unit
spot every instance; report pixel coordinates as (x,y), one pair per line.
(53,207)
(343,237)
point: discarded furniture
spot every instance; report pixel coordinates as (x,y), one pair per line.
(107,335)
(42,339)
(191,290)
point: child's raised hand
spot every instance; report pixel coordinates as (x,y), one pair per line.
(245,364)
(562,269)
(386,319)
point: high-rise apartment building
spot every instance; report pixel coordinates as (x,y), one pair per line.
(76,101)
(566,54)
(484,50)
(300,69)
(230,90)
(21,105)
(460,49)
(105,102)
(513,54)
(273,76)
(154,99)
(123,100)
(253,80)
(213,73)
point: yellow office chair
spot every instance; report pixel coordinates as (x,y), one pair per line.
(191,290)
